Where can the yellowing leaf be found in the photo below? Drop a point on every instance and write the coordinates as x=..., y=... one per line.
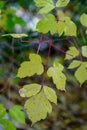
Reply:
x=50, y=94
x=81, y=73
x=67, y=26
x=38, y=107
x=83, y=19
x=29, y=68
x=71, y=53
x=29, y=90
x=74, y=64
x=16, y=35
x=57, y=75
x=62, y=3
x=84, y=51
x=47, y=24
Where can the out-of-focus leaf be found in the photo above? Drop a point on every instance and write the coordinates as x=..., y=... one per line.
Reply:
x=2, y=110
x=8, y=125
x=62, y=3
x=84, y=51
x=14, y=35
x=83, y=19
x=45, y=5
x=17, y=114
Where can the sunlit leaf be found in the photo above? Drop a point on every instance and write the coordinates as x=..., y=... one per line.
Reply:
x=50, y=94
x=84, y=51
x=45, y=5
x=38, y=107
x=71, y=53
x=46, y=24
x=29, y=68
x=7, y=124
x=14, y=35
x=58, y=76
x=74, y=64
x=83, y=19
x=62, y=3
x=2, y=110
x=17, y=114
x=30, y=90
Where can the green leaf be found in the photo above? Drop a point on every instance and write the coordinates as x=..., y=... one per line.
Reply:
x=8, y=125
x=71, y=53
x=83, y=19
x=62, y=3
x=45, y=5
x=2, y=110
x=57, y=75
x=17, y=114
x=37, y=107
x=67, y=26
x=29, y=68
x=74, y=64
x=30, y=90
x=50, y=94
x=46, y=24
x=84, y=51
x=14, y=35
x=81, y=73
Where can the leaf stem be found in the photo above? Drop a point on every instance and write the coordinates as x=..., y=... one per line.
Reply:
x=47, y=61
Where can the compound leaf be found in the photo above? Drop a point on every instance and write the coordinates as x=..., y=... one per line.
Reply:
x=50, y=94
x=81, y=73
x=29, y=90
x=17, y=114
x=47, y=24
x=74, y=64
x=84, y=51
x=37, y=107
x=57, y=75
x=83, y=19
x=7, y=124
x=62, y=3
x=45, y=5
x=71, y=53
x=29, y=68
x=16, y=35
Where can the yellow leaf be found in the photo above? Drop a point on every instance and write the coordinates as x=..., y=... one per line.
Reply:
x=29, y=68
x=83, y=19
x=50, y=94
x=38, y=107
x=29, y=90
x=14, y=35
x=71, y=53
x=57, y=75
